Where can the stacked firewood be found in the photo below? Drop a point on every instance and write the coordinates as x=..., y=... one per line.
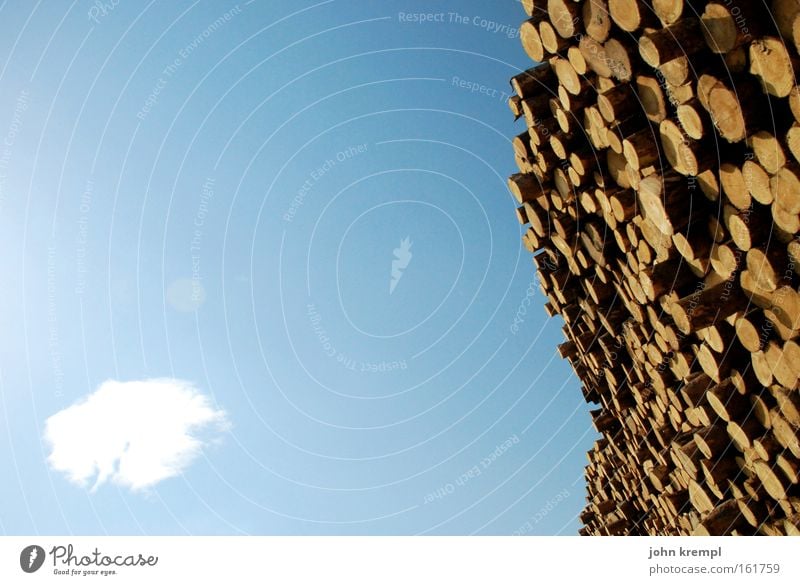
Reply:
x=659, y=183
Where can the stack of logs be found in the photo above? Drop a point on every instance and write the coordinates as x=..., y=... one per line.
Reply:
x=659, y=187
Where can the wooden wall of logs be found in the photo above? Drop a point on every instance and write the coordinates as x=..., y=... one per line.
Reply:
x=659, y=183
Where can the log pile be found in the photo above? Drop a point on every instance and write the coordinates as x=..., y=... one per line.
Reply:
x=659, y=190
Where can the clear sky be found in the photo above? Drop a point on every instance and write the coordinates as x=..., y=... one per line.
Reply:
x=261, y=275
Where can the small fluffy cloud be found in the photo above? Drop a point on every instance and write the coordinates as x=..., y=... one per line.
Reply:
x=133, y=434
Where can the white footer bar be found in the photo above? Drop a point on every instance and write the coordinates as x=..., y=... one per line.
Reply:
x=400, y=560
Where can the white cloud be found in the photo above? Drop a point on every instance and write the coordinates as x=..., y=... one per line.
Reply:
x=133, y=434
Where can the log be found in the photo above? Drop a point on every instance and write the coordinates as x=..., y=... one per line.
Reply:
x=726, y=401
x=672, y=275
x=533, y=80
x=661, y=198
x=750, y=330
x=719, y=337
x=767, y=448
x=702, y=501
x=722, y=520
x=525, y=188
x=712, y=441
x=788, y=402
x=692, y=119
x=743, y=434
x=618, y=103
x=785, y=220
x=787, y=435
x=685, y=155
x=654, y=237
x=719, y=474
x=774, y=484
x=705, y=83
x=719, y=366
x=694, y=390
x=707, y=306
x=791, y=352
x=596, y=19
x=684, y=38
x=752, y=511
x=565, y=17
x=561, y=143
x=768, y=151
x=796, y=34
x=624, y=205
x=757, y=181
x=523, y=164
x=552, y=42
x=675, y=502
x=709, y=184
x=522, y=216
x=716, y=230
x=687, y=458
x=531, y=40
x=616, y=133
x=749, y=227
x=733, y=121
x=768, y=266
x=616, y=163
x=784, y=308
x=622, y=58
x=651, y=98
x=529, y=6
x=670, y=11
x=568, y=78
x=772, y=63
x=789, y=467
x=734, y=185
x=679, y=93
x=521, y=145
x=594, y=55
x=631, y=15
x=540, y=130
x=583, y=162
x=722, y=24
x=538, y=218
x=640, y=149
x=676, y=72
x=785, y=188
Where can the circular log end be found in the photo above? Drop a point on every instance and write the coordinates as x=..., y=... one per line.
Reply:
x=770, y=62
x=727, y=114
x=748, y=334
x=563, y=15
x=626, y=14
x=531, y=41
x=682, y=319
x=691, y=121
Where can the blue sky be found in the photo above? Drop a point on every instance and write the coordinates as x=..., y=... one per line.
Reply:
x=215, y=195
